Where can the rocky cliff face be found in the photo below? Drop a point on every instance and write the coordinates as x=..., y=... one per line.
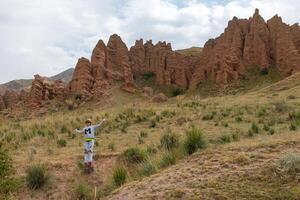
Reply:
x=2, y=104
x=10, y=98
x=169, y=67
x=245, y=44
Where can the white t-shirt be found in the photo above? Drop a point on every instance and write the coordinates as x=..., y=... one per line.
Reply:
x=89, y=131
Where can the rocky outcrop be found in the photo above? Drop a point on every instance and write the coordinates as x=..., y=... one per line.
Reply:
x=59, y=90
x=147, y=91
x=10, y=98
x=43, y=90
x=245, y=44
x=169, y=67
x=83, y=80
x=160, y=98
x=2, y=104
x=285, y=49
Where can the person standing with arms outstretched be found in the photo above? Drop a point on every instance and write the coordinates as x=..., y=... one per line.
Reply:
x=89, y=140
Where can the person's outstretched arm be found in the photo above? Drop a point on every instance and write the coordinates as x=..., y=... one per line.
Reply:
x=98, y=125
x=78, y=131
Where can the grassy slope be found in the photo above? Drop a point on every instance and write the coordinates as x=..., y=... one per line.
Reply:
x=243, y=168
x=193, y=51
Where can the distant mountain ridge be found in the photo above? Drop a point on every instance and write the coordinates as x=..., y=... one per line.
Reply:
x=20, y=84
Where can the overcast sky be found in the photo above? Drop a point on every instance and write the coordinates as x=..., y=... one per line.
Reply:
x=48, y=36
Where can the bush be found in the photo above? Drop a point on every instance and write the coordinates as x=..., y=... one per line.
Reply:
x=281, y=106
x=176, y=91
x=290, y=163
x=5, y=164
x=61, y=143
x=111, y=146
x=169, y=158
x=209, y=116
x=147, y=168
x=225, y=138
x=119, y=176
x=152, y=124
x=36, y=177
x=83, y=192
x=143, y=134
x=169, y=141
x=264, y=71
x=149, y=75
x=194, y=141
x=291, y=97
x=253, y=130
x=238, y=119
x=293, y=126
x=134, y=155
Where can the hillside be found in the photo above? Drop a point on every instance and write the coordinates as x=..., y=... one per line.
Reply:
x=193, y=51
x=247, y=136
x=20, y=84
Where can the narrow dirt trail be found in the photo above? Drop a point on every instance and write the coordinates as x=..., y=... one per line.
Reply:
x=196, y=177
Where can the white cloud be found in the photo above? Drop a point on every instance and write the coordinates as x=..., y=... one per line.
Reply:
x=46, y=37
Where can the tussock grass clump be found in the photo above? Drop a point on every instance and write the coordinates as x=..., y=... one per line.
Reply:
x=194, y=140
x=36, y=177
x=7, y=184
x=61, y=143
x=5, y=164
x=280, y=106
x=239, y=119
x=133, y=155
x=111, y=146
x=119, y=176
x=254, y=129
x=167, y=159
x=169, y=141
x=209, y=116
x=147, y=168
x=82, y=191
x=290, y=163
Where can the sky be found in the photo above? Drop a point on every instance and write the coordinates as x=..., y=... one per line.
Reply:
x=47, y=37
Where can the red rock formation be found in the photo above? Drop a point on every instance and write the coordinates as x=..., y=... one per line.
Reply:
x=284, y=46
x=160, y=98
x=118, y=67
x=24, y=95
x=37, y=92
x=10, y=98
x=99, y=63
x=248, y=44
x=147, y=91
x=59, y=90
x=83, y=79
x=2, y=104
x=168, y=66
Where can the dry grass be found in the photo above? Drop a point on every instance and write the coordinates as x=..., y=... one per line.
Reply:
x=231, y=163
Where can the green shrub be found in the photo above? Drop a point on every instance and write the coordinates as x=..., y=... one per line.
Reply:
x=143, y=134
x=209, y=116
x=149, y=75
x=293, y=126
x=83, y=192
x=61, y=143
x=133, y=155
x=36, y=177
x=194, y=141
x=253, y=130
x=176, y=91
x=238, y=119
x=168, y=158
x=290, y=163
x=152, y=124
x=281, y=106
x=261, y=112
x=151, y=150
x=225, y=138
x=111, y=146
x=147, y=168
x=271, y=131
x=5, y=164
x=169, y=141
x=119, y=176
x=291, y=97
x=63, y=129
x=141, y=140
